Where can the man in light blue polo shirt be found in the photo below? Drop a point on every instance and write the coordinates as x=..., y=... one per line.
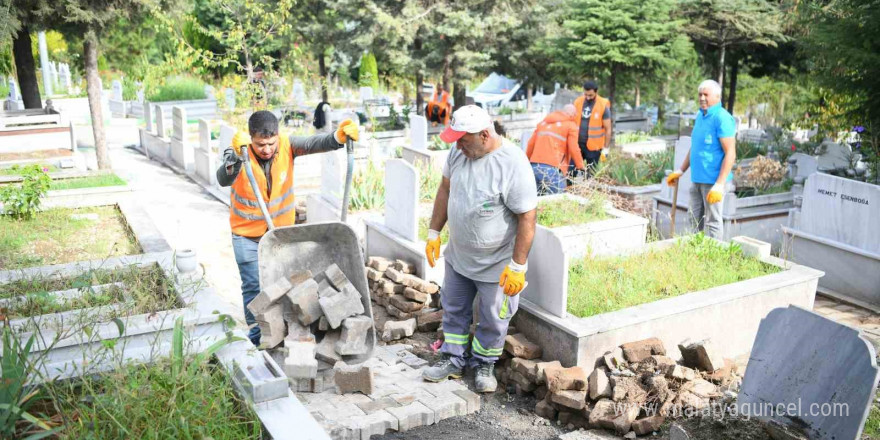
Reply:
x=711, y=159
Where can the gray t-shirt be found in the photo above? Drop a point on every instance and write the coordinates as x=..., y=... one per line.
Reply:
x=485, y=196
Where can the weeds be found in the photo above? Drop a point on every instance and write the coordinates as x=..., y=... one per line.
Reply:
x=601, y=285
x=559, y=212
x=429, y=181
x=648, y=169
x=179, y=88
x=437, y=144
x=22, y=200
x=630, y=137
x=368, y=188
x=87, y=182
x=425, y=224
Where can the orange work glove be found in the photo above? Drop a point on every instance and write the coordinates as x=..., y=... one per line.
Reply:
x=347, y=130
x=715, y=194
x=432, y=249
x=603, y=157
x=513, y=279
x=673, y=177
x=240, y=141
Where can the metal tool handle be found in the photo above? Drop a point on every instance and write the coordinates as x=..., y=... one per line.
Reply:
x=349, y=150
x=674, y=207
x=257, y=191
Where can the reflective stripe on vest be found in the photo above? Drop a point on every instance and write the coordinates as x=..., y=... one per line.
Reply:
x=551, y=134
x=245, y=216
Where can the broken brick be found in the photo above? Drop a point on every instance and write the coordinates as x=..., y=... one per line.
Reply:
x=600, y=386
x=648, y=425
x=560, y=379
x=640, y=350
x=379, y=263
x=336, y=277
x=701, y=355
x=269, y=295
x=352, y=379
x=341, y=305
x=541, y=366
x=569, y=398
x=416, y=295
x=374, y=275
x=395, y=330
x=405, y=305
x=519, y=346
x=397, y=313
x=353, y=340
x=428, y=322
x=394, y=275
x=404, y=267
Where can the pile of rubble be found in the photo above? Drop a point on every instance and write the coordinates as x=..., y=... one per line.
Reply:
x=412, y=301
x=313, y=323
x=634, y=390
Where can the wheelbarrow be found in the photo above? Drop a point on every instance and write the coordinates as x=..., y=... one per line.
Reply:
x=314, y=247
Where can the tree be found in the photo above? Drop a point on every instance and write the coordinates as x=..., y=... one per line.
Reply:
x=21, y=17
x=723, y=25
x=616, y=38
x=368, y=73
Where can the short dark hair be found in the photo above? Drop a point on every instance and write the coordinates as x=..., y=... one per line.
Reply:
x=263, y=123
x=591, y=85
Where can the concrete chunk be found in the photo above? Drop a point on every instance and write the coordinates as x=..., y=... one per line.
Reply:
x=416, y=295
x=341, y=305
x=680, y=372
x=300, y=362
x=429, y=322
x=600, y=386
x=323, y=324
x=304, y=301
x=701, y=355
x=352, y=379
x=272, y=327
x=395, y=330
x=269, y=296
x=540, y=367
x=404, y=267
x=559, y=379
x=638, y=351
x=519, y=346
x=569, y=398
x=648, y=425
x=326, y=350
x=614, y=359
x=603, y=414
x=353, y=340
x=336, y=277
x=379, y=263
x=406, y=305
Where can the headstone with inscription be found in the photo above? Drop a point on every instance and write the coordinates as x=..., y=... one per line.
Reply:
x=842, y=210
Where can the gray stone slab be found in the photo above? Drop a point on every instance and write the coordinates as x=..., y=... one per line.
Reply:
x=402, y=198
x=825, y=374
x=842, y=210
x=548, y=274
x=418, y=132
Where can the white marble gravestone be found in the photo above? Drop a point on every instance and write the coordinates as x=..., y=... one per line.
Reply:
x=116, y=88
x=843, y=210
x=401, y=198
x=418, y=132
x=366, y=93
x=229, y=94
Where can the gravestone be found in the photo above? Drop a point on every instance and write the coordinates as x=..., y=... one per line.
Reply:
x=682, y=148
x=13, y=90
x=209, y=91
x=64, y=73
x=160, y=121
x=229, y=95
x=366, y=93
x=418, y=132
x=53, y=73
x=842, y=210
x=140, y=95
x=333, y=167
x=204, y=135
x=148, y=117
x=836, y=155
x=205, y=161
x=299, y=91
x=524, y=139
x=178, y=123
x=806, y=165
x=563, y=97
x=181, y=151
x=401, y=198
x=808, y=370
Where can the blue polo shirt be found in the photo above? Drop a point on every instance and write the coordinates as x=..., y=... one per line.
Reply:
x=706, y=151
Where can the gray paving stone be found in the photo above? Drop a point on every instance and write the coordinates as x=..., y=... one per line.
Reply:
x=376, y=423
x=411, y=396
x=412, y=416
x=471, y=398
x=377, y=405
x=445, y=406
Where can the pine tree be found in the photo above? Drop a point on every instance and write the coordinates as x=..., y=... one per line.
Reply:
x=368, y=73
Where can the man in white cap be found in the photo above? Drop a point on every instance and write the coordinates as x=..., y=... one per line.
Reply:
x=489, y=198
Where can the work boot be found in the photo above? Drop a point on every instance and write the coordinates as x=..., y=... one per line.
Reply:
x=441, y=371
x=484, y=378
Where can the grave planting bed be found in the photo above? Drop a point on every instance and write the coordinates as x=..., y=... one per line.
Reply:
x=617, y=306
x=634, y=179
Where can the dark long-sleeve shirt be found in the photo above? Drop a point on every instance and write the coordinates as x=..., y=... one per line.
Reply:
x=301, y=145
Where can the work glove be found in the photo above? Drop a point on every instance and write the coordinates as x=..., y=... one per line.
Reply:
x=602, y=158
x=513, y=279
x=347, y=130
x=715, y=194
x=432, y=249
x=673, y=177
x=240, y=141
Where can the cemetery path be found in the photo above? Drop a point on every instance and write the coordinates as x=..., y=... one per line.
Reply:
x=187, y=216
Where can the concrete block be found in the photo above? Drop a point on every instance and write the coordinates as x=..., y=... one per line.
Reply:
x=326, y=349
x=471, y=398
x=404, y=267
x=614, y=359
x=416, y=295
x=525, y=367
x=701, y=355
x=600, y=386
x=389, y=287
x=412, y=416
x=304, y=300
x=378, y=405
x=394, y=275
x=540, y=377
x=376, y=423
x=353, y=340
x=272, y=327
x=379, y=263
x=399, y=314
x=351, y=379
x=325, y=289
x=429, y=322
x=341, y=305
x=648, y=425
x=752, y=247
x=822, y=361
x=445, y=406
x=300, y=362
x=569, y=398
x=373, y=274
x=560, y=379
x=406, y=305
x=545, y=410
x=269, y=295
x=336, y=277
x=518, y=346
x=395, y=330
x=638, y=351
x=259, y=377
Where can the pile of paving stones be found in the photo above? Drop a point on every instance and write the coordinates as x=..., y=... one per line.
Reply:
x=313, y=325
x=412, y=302
x=634, y=390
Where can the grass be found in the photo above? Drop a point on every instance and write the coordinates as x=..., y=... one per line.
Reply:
x=601, y=285
x=872, y=425
x=430, y=179
x=636, y=171
x=153, y=402
x=179, y=88
x=781, y=187
x=87, y=182
x=630, y=137
x=14, y=172
x=147, y=287
x=368, y=188
x=53, y=237
x=424, y=224
x=564, y=212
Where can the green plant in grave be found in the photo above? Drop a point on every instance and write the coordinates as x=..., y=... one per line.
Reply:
x=630, y=137
x=16, y=397
x=429, y=182
x=368, y=188
x=438, y=145
x=22, y=200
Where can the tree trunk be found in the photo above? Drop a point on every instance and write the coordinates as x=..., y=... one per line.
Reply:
x=612, y=89
x=528, y=98
x=447, y=73
x=322, y=70
x=248, y=64
x=664, y=95
x=459, y=94
x=27, y=70
x=93, y=85
x=721, y=51
x=731, y=91
x=638, y=93
x=420, y=77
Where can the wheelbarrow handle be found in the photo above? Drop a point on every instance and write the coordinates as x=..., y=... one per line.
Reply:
x=257, y=191
x=349, y=150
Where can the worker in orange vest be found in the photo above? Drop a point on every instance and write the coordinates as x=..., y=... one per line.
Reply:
x=552, y=147
x=594, y=126
x=439, y=108
x=271, y=158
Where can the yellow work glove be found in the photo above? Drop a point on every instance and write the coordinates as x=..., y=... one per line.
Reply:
x=715, y=194
x=673, y=177
x=347, y=129
x=602, y=158
x=513, y=279
x=240, y=140
x=432, y=249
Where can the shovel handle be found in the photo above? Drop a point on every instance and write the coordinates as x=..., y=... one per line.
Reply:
x=256, y=189
x=674, y=208
x=349, y=150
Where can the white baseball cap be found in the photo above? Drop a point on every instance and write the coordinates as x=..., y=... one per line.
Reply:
x=467, y=119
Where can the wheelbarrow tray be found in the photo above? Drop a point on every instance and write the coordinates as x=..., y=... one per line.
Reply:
x=314, y=247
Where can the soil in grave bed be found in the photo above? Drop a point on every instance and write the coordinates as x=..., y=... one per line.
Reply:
x=148, y=401
x=63, y=235
x=601, y=285
x=560, y=212
x=40, y=154
x=148, y=288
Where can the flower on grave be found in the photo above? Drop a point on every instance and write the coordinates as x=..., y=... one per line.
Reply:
x=793, y=148
x=859, y=129
x=45, y=169
x=857, y=146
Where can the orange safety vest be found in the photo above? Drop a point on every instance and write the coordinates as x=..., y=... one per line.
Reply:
x=596, y=131
x=245, y=216
x=554, y=142
x=444, y=98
